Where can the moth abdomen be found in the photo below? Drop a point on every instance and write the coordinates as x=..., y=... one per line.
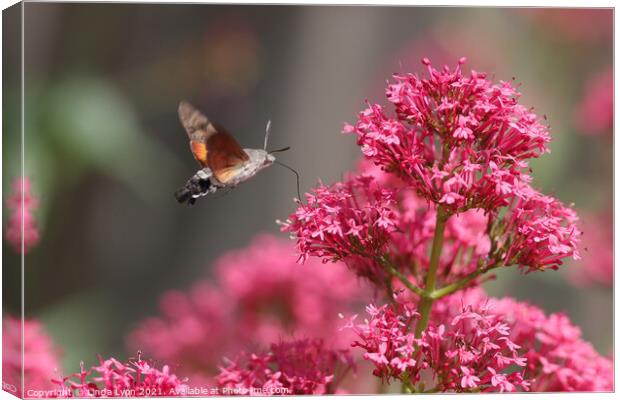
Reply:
x=182, y=194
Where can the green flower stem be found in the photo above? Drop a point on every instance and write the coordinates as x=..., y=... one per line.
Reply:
x=453, y=287
x=426, y=303
x=394, y=272
x=406, y=386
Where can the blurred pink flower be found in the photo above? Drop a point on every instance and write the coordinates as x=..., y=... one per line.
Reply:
x=191, y=333
x=597, y=264
x=462, y=142
x=40, y=356
x=276, y=296
x=595, y=113
x=581, y=25
x=112, y=378
x=296, y=368
x=22, y=203
x=260, y=294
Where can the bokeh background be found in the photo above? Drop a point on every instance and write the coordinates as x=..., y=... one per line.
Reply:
x=105, y=150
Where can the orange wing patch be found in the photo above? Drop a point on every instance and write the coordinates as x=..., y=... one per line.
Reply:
x=211, y=146
x=225, y=175
x=199, y=150
x=225, y=156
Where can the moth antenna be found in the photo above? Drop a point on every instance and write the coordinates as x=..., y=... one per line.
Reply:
x=280, y=150
x=296, y=175
x=267, y=132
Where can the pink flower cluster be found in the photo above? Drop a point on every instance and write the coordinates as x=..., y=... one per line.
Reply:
x=459, y=141
x=470, y=350
x=595, y=114
x=442, y=198
x=369, y=216
x=482, y=344
x=558, y=358
x=21, y=223
x=294, y=368
x=541, y=231
x=40, y=356
x=536, y=233
x=112, y=378
x=349, y=221
x=259, y=295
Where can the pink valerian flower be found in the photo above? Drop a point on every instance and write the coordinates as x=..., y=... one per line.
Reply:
x=382, y=220
x=597, y=264
x=349, y=221
x=535, y=233
x=362, y=227
x=540, y=231
x=466, y=240
x=40, y=356
x=295, y=368
x=540, y=352
x=558, y=359
x=470, y=351
x=387, y=342
x=258, y=295
x=22, y=224
x=113, y=378
x=595, y=113
x=459, y=141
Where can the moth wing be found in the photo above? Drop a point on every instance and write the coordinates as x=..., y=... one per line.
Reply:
x=199, y=129
x=225, y=157
x=226, y=175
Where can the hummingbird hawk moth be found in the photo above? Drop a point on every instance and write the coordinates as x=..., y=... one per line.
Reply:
x=224, y=164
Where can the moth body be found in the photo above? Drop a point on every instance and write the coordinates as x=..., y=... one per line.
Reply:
x=258, y=160
x=224, y=164
x=199, y=185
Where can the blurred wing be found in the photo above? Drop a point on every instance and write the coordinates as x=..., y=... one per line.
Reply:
x=225, y=175
x=224, y=155
x=198, y=129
